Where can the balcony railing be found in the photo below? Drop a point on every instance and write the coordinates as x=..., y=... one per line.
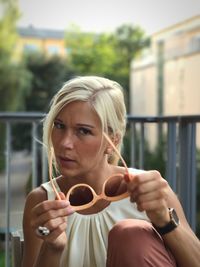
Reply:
x=180, y=160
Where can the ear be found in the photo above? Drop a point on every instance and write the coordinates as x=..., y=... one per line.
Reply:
x=115, y=140
x=108, y=150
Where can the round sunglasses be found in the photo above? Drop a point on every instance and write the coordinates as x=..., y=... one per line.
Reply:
x=82, y=196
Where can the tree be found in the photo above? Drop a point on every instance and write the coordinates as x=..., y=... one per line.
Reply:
x=14, y=86
x=48, y=75
x=103, y=54
x=14, y=79
x=129, y=40
x=8, y=34
x=90, y=53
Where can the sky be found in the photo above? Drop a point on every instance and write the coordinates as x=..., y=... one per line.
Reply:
x=106, y=15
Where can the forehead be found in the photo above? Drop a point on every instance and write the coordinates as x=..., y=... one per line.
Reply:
x=79, y=112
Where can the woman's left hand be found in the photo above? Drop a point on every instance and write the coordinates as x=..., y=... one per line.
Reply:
x=150, y=192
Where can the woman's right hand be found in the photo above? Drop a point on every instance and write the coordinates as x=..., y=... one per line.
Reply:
x=53, y=215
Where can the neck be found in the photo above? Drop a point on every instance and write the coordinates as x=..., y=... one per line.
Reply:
x=96, y=177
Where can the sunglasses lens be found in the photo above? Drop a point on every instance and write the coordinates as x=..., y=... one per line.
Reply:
x=115, y=186
x=80, y=195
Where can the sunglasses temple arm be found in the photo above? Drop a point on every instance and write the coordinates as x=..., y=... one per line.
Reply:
x=119, y=155
x=50, y=177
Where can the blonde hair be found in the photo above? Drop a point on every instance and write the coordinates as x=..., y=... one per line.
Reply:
x=107, y=99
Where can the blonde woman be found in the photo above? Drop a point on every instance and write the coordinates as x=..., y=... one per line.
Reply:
x=96, y=213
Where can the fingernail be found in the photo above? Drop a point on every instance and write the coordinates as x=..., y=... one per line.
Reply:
x=126, y=177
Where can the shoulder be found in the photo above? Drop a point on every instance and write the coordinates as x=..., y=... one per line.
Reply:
x=36, y=196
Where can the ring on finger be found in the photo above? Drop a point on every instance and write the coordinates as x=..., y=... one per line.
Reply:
x=42, y=231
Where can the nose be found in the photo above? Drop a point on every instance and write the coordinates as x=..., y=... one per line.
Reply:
x=67, y=141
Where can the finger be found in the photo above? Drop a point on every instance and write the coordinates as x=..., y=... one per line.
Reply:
x=49, y=205
x=50, y=215
x=151, y=186
x=150, y=196
x=137, y=188
x=137, y=179
x=156, y=204
x=61, y=228
x=145, y=180
x=54, y=223
x=149, y=191
x=54, y=233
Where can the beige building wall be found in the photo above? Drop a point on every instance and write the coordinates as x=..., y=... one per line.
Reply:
x=182, y=86
x=143, y=94
x=181, y=74
x=143, y=97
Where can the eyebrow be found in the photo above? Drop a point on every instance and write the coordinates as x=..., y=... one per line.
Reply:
x=85, y=124
x=78, y=124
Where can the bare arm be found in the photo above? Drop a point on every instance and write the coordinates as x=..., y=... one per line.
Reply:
x=183, y=243
x=153, y=195
x=44, y=251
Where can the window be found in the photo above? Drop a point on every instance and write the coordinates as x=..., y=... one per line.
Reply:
x=30, y=47
x=53, y=49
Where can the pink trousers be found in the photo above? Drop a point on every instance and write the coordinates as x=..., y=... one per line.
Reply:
x=135, y=243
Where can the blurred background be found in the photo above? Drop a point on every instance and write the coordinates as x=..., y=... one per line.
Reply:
x=152, y=48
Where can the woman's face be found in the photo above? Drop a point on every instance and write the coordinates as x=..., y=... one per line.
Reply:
x=77, y=138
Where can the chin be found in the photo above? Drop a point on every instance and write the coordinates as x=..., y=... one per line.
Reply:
x=68, y=172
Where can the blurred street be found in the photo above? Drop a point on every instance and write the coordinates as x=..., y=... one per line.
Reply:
x=20, y=171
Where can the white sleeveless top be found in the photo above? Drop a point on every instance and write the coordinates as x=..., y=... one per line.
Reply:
x=88, y=234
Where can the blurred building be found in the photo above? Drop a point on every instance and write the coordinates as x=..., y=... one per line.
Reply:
x=48, y=41
x=166, y=80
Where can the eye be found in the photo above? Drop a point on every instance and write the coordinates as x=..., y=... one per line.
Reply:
x=84, y=131
x=58, y=125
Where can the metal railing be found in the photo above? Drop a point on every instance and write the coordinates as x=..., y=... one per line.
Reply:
x=181, y=167
x=8, y=119
x=181, y=150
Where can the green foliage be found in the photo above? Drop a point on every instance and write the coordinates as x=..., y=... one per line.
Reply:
x=128, y=41
x=103, y=54
x=48, y=75
x=14, y=78
x=14, y=86
x=95, y=54
x=153, y=159
x=2, y=258
x=8, y=34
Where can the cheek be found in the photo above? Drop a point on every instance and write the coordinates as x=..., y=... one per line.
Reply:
x=90, y=149
x=55, y=140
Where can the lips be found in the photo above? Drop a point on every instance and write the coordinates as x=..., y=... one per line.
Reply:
x=66, y=158
x=66, y=161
